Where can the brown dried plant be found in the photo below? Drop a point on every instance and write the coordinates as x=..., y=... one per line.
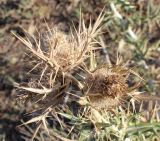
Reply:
x=60, y=56
x=107, y=88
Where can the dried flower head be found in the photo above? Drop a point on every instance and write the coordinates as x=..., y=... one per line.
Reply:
x=107, y=87
x=61, y=51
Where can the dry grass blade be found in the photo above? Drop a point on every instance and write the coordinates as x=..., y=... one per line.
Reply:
x=38, y=91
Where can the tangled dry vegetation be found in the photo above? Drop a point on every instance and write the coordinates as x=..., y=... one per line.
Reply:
x=76, y=86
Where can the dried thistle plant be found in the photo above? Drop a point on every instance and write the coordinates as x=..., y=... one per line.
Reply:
x=106, y=88
x=62, y=51
x=60, y=56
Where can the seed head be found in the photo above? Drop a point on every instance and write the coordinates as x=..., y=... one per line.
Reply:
x=107, y=87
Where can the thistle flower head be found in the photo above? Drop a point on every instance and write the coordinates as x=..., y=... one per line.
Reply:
x=107, y=87
x=63, y=50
